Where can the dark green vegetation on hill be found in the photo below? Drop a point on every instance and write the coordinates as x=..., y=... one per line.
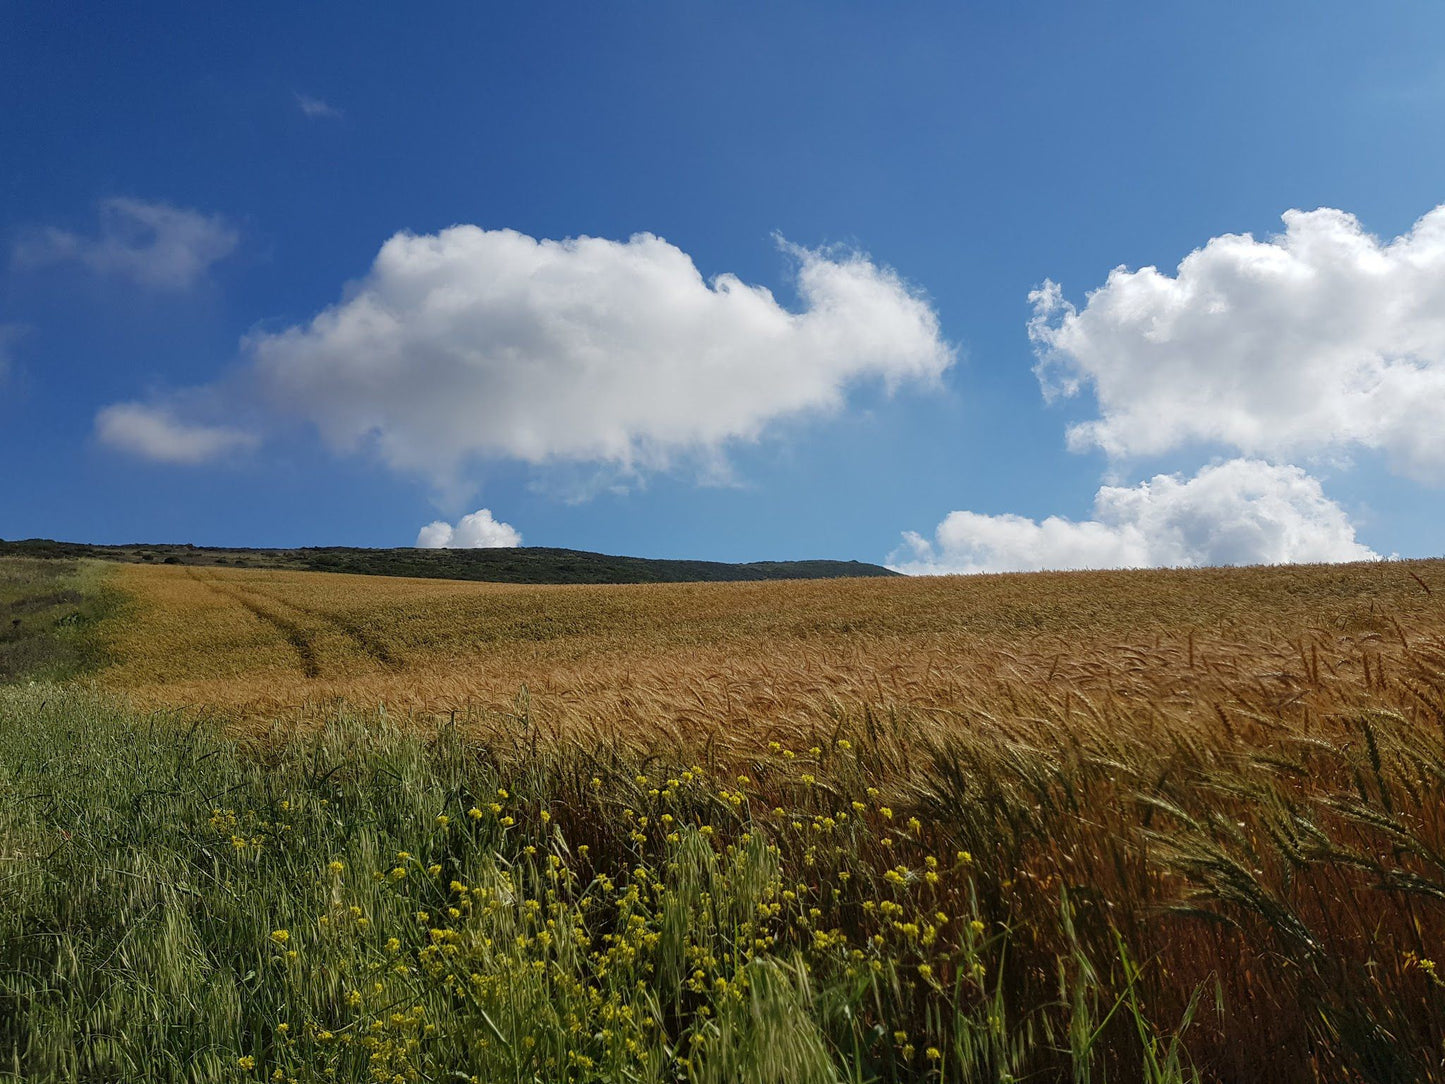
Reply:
x=49, y=611
x=527, y=564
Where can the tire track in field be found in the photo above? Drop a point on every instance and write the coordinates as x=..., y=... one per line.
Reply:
x=369, y=643
x=299, y=638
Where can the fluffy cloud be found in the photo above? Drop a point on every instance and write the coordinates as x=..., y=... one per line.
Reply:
x=316, y=108
x=1321, y=339
x=1241, y=512
x=476, y=531
x=152, y=432
x=153, y=244
x=475, y=342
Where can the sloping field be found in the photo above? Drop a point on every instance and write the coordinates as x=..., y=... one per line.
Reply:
x=703, y=659
x=1164, y=826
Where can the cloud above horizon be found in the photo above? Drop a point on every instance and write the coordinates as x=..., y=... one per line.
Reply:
x=1239, y=512
x=154, y=433
x=316, y=108
x=1318, y=341
x=153, y=244
x=473, y=343
x=480, y=530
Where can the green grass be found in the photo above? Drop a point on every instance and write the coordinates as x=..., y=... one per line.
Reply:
x=355, y=904
x=1060, y=890
x=49, y=611
x=360, y=903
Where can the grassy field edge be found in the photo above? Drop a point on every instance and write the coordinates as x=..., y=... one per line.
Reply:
x=354, y=902
x=52, y=617
x=1212, y=858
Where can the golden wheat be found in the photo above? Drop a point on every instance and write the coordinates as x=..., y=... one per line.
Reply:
x=746, y=659
x=1236, y=773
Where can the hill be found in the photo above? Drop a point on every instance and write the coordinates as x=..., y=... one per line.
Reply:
x=1083, y=818
x=528, y=564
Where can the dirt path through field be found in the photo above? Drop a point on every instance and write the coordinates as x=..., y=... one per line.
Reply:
x=298, y=637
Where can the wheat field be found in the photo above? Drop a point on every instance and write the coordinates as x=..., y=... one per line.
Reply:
x=1169, y=826
x=692, y=661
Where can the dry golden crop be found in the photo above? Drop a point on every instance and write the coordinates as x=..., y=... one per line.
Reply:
x=1163, y=787
x=743, y=659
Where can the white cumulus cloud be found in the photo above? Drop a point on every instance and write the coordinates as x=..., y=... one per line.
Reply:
x=316, y=108
x=153, y=432
x=1240, y=512
x=491, y=343
x=476, y=531
x=1318, y=340
x=154, y=244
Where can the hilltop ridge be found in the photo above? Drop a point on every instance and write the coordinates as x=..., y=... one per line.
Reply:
x=522, y=564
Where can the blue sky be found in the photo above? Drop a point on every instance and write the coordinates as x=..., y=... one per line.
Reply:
x=192, y=201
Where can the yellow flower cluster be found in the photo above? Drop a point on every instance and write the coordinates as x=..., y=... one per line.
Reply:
x=514, y=936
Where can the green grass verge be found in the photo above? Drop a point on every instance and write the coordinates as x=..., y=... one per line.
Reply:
x=49, y=615
x=360, y=905
x=1072, y=901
